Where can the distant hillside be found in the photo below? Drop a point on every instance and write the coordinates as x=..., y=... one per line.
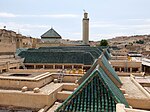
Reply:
x=131, y=39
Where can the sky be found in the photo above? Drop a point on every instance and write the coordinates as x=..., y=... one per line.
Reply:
x=108, y=18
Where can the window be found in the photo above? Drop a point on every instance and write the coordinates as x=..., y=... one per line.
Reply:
x=77, y=66
x=116, y=68
x=39, y=66
x=58, y=66
x=134, y=69
x=48, y=66
x=68, y=66
x=86, y=68
x=29, y=66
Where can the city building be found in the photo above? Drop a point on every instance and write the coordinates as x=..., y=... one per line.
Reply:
x=7, y=42
x=67, y=89
x=51, y=36
x=54, y=76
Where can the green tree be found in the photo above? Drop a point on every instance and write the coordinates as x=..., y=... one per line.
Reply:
x=103, y=42
x=140, y=42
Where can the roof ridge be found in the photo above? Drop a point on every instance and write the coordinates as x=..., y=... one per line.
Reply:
x=50, y=33
x=75, y=92
x=103, y=63
x=117, y=98
x=109, y=84
x=107, y=67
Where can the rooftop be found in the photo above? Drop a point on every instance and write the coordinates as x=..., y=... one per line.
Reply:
x=79, y=54
x=131, y=89
x=96, y=93
x=51, y=34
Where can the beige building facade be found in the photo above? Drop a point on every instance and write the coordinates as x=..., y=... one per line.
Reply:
x=7, y=42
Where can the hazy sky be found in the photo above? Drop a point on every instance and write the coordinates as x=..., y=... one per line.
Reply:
x=108, y=18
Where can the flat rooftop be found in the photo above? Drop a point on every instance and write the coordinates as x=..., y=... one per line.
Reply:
x=20, y=74
x=27, y=74
x=47, y=89
x=11, y=60
x=144, y=81
x=51, y=87
x=131, y=89
x=144, y=61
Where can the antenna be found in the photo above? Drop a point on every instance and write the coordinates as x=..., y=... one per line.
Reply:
x=84, y=10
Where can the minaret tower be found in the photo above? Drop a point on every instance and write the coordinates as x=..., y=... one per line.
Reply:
x=85, y=22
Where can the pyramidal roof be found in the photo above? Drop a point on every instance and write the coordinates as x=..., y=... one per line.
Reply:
x=105, y=65
x=51, y=34
x=96, y=94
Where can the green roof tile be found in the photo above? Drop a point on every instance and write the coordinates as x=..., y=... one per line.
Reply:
x=93, y=50
x=51, y=34
x=94, y=65
x=57, y=57
x=107, y=54
x=110, y=68
x=96, y=94
x=113, y=88
x=79, y=54
x=104, y=64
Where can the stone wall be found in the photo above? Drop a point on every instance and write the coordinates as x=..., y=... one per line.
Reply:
x=10, y=40
x=7, y=42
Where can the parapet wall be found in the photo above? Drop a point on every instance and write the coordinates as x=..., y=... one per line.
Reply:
x=11, y=82
x=121, y=108
x=24, y=99
x=19, y=83
x=29, y=99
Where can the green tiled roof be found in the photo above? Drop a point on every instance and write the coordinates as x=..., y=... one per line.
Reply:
x=86, y=75
x=96, y=94
x=107, y=54
x=110, y=68
x=116, y=92
x=79, y=54
x=20, y=50
x=107, y=67
x=93, y=50
x=57, y=57
x=51, y=34
x=106, y=51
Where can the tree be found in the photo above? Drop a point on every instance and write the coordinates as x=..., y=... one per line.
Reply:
x=140, y=42
x=103, y=42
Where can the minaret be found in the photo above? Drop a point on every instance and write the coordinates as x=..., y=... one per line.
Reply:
x=85, y=22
